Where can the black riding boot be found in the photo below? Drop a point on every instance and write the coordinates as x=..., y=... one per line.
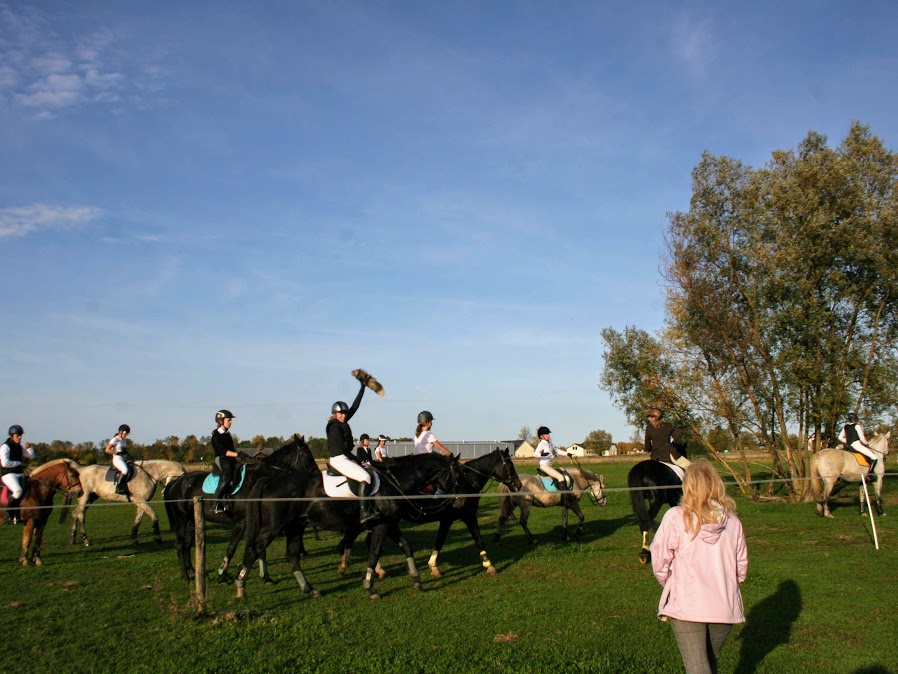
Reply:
x=12, y=511
x=367, y=510
x=871, y=476
x=221, y=497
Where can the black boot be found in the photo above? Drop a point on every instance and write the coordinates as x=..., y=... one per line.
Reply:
x=12, y=511
x=871, y=476
x=367, y=512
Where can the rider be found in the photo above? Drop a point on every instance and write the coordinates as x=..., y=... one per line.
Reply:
x=380, y=452
x=363, y=451
x=225, y=458
x=546, y=452
x=853, y=435
x=118, y=448
x=425, y=440
x=339, y=446
x=12, y=453
x=663, y=440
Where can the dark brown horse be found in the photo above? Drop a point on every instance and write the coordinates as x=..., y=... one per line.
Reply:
x=37, y=502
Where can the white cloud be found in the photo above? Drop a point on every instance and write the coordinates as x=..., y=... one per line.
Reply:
x=693, y=44
x=20, y=221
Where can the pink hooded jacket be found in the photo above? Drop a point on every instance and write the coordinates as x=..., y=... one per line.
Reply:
x=700, y=576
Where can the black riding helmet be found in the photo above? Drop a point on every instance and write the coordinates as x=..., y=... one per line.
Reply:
x=15, y=429
x=124, y=427
x=221, y=415
x=339, y=406
x=543, y=430
x=852, y=416
x=424, y=416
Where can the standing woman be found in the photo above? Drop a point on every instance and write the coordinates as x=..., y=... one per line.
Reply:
x=662, y=440
x=425, y=440
x=339, y=446
x=546, y=452
x=225, y=458
x=118, y=448
x=700, y=557
x=12, y=453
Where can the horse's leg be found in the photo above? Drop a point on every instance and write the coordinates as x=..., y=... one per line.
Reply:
x=77, y=516
x=525, y=514
x=36, y=542
x=294, y=535
x=470, y=520
x=27, y=535
x=140, y=507
x=399, y=538
x=349, y=537
x=378, y=533
x=442, y=532
x=575, y=506
x=564, y=513
x=828, y=484
x=877, y=500
x=645, y=554
x=255, y=549
x=233, y=542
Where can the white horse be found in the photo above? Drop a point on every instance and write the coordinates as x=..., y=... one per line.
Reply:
x=828, y=466
x=142, y=487
x=534, y=493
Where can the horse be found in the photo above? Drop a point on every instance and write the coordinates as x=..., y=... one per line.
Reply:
x=142, y=487
x=828, y=466
x=37, y=501
x=286, y=503
x=473, y=476
x=179, y=493
x=657, y=483
x=534, y=493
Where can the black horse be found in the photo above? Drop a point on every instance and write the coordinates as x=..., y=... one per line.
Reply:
x=287, y=502
x=655, y=482
x=473, y=477
x=179, y=493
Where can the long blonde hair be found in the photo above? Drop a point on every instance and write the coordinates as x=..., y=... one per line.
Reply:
x=705, y=498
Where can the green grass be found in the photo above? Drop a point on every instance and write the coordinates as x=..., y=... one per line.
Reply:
x=819, y=598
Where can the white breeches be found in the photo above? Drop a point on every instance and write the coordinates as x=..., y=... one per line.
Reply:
x=350, y=468
x=120, y=464
x=858, y=446
x=13, y=482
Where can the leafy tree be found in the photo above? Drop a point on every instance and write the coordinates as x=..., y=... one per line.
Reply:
x=782, y=303
x=526, y=434
x=597, y=441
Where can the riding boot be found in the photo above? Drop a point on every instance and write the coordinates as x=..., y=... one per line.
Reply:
x=871, y=475
x=367, y=512
x=12, y=511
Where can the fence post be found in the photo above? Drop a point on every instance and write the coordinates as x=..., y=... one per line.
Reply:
x=199, y=564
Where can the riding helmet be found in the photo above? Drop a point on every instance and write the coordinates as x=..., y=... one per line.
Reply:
x=124, y=427
x=220, y=415
x=364, y=437
x=381, y=438
x=424, y=417
x=543, y=430
x=852, y=416
x=15, y=429
x=339, y=406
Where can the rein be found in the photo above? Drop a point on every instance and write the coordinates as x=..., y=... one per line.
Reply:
x=391, y=479
x=592, y=496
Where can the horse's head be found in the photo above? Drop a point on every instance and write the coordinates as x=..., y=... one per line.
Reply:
x=295, y=455
x=505, y=471
x=881, y=443
x=593, y=485
x=68, y=480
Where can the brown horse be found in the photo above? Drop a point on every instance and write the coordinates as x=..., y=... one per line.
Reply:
x=37, y=501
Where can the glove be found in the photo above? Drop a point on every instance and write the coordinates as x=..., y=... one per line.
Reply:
x=369, y=381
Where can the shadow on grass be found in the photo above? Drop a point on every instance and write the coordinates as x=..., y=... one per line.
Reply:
x=768, y=625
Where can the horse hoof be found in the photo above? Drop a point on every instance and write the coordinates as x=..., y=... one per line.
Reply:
x=342, y=570
x=374, y=595
x=38, y=561
x=435, y=572
x=268, y=581
x=224, y=579
x=492, y=571
x=315, y=594
x=381, y=574
x=645, y=557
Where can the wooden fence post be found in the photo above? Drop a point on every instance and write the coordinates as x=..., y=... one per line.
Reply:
x=199, y=564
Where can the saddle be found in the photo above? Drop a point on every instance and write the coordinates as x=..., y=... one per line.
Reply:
x=861, y=459
x=338, y=485
x=5, y=493
x=210, y=484
x=553, y=485
x=112, y=475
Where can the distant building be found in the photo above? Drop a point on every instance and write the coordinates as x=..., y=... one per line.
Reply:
x=611, y=451
x=576, y=450
x=524, y=451
x=467, y=449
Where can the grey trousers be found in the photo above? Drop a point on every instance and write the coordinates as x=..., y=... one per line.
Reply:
x=700, y=644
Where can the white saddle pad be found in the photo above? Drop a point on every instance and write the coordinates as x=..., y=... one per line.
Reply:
x=337, y=486
x=675, y=468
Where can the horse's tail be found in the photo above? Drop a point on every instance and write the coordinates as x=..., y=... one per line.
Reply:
x=816, y=491
x=64, y=510
x=506, y=503
x=637, y=498
x=173, y=509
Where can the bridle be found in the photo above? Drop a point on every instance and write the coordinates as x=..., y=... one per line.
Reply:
x=70, y=482
x=596, y=500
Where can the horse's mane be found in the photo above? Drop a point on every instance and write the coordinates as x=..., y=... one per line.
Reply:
x=50, y=464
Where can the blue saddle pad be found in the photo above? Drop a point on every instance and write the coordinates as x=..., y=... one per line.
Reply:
x=210, y=484
x=549, y=484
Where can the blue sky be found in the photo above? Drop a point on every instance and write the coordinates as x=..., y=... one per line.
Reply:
x=207, y=205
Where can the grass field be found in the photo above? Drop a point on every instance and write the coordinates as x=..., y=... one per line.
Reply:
x=819, y=598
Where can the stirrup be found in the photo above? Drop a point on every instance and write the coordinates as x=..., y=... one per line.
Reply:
x=870, y=477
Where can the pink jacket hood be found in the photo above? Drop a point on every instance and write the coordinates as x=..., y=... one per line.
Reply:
x=700, y=575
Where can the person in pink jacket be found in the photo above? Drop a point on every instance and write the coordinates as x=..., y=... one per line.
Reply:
x=700, y=557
